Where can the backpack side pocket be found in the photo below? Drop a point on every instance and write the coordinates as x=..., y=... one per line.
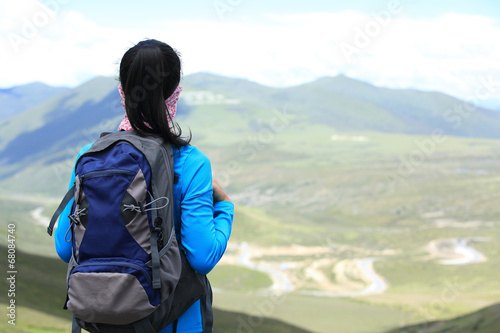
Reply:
x=112, y=291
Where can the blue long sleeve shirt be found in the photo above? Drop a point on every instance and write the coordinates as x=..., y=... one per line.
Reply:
x=202, y=227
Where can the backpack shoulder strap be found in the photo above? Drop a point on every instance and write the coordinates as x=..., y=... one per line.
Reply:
x=75, y=328
x=67, y=198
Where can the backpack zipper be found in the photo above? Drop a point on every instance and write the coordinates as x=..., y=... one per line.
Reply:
x=106, y=172
x=101, y=173
x=118, y=263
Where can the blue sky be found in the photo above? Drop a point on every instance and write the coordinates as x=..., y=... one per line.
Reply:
x=120, y=13
x=443, y=45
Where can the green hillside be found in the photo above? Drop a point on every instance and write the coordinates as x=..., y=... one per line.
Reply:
x=486, y=320
x=77, y=111
x=17, y=99
x=331, y=105
x=327, y=177
x=350, y=105
x=235, y=108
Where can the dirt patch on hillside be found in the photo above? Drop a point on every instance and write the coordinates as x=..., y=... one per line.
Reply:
x=306, y=269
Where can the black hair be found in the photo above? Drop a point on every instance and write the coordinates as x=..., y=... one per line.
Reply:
x=149, y=73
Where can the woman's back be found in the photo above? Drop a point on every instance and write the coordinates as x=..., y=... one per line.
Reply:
x=203, y=213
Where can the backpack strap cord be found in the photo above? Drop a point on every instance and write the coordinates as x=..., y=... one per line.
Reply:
x=67, y=232
x=153, y=204
x=131, y=207
x=142, y=208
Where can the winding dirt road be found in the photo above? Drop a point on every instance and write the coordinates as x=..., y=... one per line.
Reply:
x=348, y=277
x=355, y=277
x=374, y=283
x=456, y=251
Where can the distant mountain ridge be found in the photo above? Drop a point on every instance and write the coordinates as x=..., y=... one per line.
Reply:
x=20, y=98
x=57, y=120
x=347, y=104
x=73, y=117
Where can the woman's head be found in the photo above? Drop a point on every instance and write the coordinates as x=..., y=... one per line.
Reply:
x=149, y=73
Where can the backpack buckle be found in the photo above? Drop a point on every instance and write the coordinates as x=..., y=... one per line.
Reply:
x=157, y=224
x=157, y=228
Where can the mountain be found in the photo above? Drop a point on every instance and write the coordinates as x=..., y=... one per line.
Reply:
x=75, y=116
x=417, y=112
x=486, y=320
x=16, y=99
x=346, y=104
x=54, y=130
x=57, y=121
x=336, y=163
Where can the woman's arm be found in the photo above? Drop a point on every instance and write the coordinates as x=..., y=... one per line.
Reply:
x=219, y=193
x=205, y=225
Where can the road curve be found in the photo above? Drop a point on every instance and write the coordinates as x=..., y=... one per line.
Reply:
x=377, y=286
x=469, y=255
x=282, y=284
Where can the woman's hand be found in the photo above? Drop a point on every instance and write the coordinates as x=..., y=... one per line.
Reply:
x=219, y=194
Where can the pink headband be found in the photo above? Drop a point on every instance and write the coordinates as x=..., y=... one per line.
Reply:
x=170, y=102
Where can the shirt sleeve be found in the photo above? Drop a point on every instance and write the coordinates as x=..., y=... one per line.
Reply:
x=205, y=227
x=61, y=235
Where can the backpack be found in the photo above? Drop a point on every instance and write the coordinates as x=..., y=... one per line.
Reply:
x=127, y=272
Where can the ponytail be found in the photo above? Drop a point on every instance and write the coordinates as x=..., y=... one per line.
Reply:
x=149, y=73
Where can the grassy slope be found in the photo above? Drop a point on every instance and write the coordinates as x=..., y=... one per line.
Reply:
x=349, y=202
x=68, y=101
x=486, y=320
x=296, y=185
x=318, y=314
x=232, y=277
x=351, y=175
x=17, y=99
x=327, y=102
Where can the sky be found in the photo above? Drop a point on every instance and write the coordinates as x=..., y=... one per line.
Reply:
x=447, y=46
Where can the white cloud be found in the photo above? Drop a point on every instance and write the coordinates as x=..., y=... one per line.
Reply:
x=448, y=53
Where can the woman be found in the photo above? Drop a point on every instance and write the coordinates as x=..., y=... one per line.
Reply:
x=150, y=73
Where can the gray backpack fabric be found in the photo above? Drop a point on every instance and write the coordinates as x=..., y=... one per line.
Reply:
x=127, y=272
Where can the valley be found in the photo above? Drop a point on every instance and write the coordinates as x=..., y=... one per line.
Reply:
x=345, y=215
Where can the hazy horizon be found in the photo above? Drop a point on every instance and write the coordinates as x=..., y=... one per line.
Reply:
x=446, y=47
